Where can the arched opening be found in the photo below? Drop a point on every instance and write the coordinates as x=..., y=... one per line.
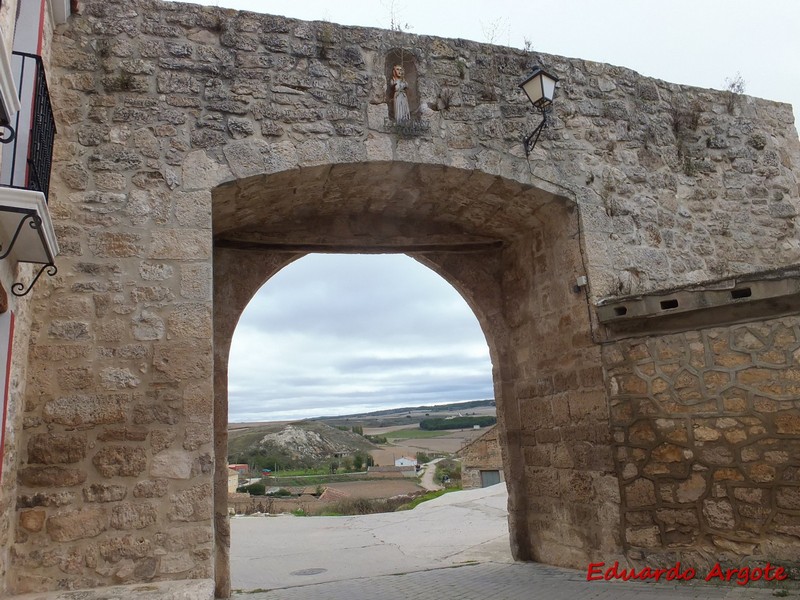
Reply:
x=354, y=334
x=513, y=253
x=335, y=334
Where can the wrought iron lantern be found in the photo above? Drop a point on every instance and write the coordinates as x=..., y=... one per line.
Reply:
x=539, y=87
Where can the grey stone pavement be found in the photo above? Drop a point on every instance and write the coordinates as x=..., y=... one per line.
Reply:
x=454, y=547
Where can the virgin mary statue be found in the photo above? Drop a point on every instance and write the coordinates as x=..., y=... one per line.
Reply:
x=401, y=110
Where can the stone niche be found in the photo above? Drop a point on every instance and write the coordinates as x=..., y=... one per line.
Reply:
x=407, y=60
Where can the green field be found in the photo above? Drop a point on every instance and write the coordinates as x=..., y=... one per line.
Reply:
x=414, y=434
x=428, y=496
x=311, y=480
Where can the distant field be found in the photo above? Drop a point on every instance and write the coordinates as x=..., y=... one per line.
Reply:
x=400, y=427
x=448, y=442
x=382, y=488
x=415, y=434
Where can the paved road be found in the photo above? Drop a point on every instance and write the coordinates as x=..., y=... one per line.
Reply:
x=452, y=548
x=283, y=551
x=429, y=471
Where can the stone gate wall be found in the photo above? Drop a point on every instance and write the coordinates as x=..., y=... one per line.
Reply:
x=12, y=272
x=640, y=184
x=707, y=432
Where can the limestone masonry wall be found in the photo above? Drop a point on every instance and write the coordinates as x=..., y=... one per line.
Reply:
x=706, y=429
x=676, y=184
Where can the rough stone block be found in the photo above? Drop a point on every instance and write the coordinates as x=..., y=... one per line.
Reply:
x=69, y=330
x=82, y=410
x=193, y=504
x=691, y=489
x=115, y=244
x=122, y=434
x=133, y=516
x=100, y=492
x=115, y=549
x=32, y=520
x=51, y=477
x=196, y=281
x=77, y=524
x=114, y=378
x=203, y=173
x=788, y=498
x=180, y=244
x=719, y=514
x=644, y=537
x=120, y=461
x=182, y=361
x=172, y=464
x=52, y=499
x=788, y=423
x=193, y=209
x=56, y=448
x=640, y=493
x=151, y=488
x=190, y=321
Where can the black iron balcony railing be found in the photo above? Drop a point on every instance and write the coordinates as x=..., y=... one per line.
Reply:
x=29, y=155
x=26, y=232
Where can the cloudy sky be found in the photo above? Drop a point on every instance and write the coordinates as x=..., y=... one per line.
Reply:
x=338, y=334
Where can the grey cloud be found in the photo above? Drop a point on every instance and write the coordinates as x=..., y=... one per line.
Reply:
x=341, y=333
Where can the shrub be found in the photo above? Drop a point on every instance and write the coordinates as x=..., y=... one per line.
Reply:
x=457, y=423
x=254, y=489
x=450, y=469
x=366, y=506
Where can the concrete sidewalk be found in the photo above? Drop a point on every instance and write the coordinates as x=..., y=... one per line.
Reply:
x=454, y=529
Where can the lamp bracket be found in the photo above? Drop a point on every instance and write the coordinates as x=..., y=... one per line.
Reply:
x=34, y=223
x=19, y=290
x=7, y=138
x=530, y=140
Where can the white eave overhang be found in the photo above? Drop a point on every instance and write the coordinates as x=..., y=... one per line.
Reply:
x=8, y=90
x=26, y=231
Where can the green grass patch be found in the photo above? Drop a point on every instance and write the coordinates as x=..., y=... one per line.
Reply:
x=456, y=423
x=415, y=434
x=425, y=497
x=301, y=472
x=314, y=480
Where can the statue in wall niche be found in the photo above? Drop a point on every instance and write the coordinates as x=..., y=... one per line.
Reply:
x=401, y=111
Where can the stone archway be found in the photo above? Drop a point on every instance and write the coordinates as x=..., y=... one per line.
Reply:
x=513, y=253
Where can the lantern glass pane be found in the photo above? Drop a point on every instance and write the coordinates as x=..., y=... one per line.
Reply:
x=533, y=89
x=548, y=87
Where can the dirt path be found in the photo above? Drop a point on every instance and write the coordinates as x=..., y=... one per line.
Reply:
x=429, y=470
